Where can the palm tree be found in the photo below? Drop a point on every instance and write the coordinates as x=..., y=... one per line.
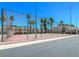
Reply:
x=0, y=17
x=11, y=19
x=10, y=33
x=72, y=25
x=28, y=21
x=7, y=28
x=31, y=22
x=20, y=30
x=51, y=21
x=45, y=25
x=62, y=25
x=63, y=30
x=48, y=23
x=42, y=26
x=4, y=19
x=0, y=20
x=28, y=16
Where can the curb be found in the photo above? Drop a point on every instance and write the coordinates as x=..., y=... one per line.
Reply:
x=2, y=47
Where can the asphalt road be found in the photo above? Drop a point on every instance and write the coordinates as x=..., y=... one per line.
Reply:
x=68, y=47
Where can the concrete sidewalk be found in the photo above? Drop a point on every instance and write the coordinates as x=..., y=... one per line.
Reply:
x=31, y=42
x=31, y=37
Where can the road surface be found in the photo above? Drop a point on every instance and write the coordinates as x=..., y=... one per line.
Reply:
x=68, y=47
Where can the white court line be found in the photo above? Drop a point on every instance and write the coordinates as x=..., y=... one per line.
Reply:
x=2, y=47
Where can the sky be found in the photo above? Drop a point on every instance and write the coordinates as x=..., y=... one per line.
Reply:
x=57, y=10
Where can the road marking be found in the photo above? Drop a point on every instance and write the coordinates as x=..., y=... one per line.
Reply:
x=2, y=47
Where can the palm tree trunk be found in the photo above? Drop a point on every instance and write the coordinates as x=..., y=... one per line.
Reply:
x=50, y=30
x=27, y=28
x=30, y=28
x=11, y=26
x=41, y=32
x=11, y=22
x=33, y=28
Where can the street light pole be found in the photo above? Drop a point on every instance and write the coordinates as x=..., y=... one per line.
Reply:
x=35, y=21
x=2, y=25
x=70, y=19
x=76, y=27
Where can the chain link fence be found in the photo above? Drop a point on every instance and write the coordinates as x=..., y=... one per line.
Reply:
x=19, y=26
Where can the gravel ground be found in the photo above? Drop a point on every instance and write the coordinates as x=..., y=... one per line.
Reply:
x=31, y=37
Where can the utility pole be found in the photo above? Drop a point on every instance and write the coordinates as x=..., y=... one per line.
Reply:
x=70, y=19
x=76, y=27
x=58, y=28
x=2, y=25
x=35, y=22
